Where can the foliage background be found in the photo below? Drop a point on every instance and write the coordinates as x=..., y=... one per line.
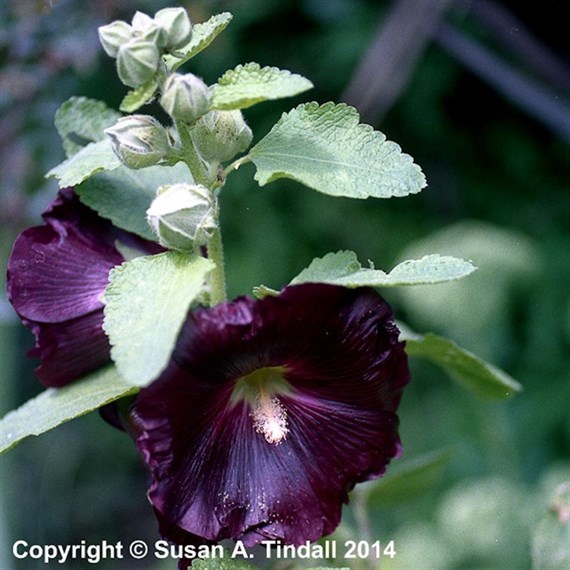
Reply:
x=498, y=194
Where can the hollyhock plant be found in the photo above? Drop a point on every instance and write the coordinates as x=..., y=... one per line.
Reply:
x=57, y=274
x=255, y=416
x=270, y=411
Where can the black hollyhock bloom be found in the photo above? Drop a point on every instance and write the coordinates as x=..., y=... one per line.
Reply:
x=57, y=274
x=269, y=413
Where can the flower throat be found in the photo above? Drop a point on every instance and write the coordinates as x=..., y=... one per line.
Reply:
x=260, y=390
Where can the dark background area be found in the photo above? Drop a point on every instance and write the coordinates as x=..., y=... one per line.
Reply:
x=478, y=93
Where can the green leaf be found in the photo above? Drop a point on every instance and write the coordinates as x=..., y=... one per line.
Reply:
x=146, y=303
x=226, y=563
x=55, y=406
x=343, y=268
x=91, y=159
x=80, y=121
x=124, y=195
x=470, y=371
x=476, y=312
x=249, y=84
x=430, y=269
x=325, y=148
x=407, y=481
x=136, y=98
x=202, y=36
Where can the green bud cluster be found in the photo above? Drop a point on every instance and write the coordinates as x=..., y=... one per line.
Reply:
x=138, y=47
x=182, y=216
x=139, y=141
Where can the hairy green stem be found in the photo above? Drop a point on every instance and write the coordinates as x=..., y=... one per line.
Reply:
x=363, y=523
x=190, y=156
x=201, y=175
x=235, y=165
x=216, y=254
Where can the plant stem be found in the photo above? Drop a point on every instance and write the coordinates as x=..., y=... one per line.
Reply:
x=363, y=523
x=216, y=254
x=190, y=156
x=200, y=175
x=236, y=164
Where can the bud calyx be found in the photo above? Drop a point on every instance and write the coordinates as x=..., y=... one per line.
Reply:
x=137, y=62
x=220, y=135
x=185, y=97
x=182, y=216
x=114, y=35
x=176, y=25
x=139, y=141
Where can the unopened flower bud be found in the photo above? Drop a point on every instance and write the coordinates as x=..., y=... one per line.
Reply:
x=141, y=21
x=139, y=140
x=145, y=28
x=220, y=135
x=176, y=23
x=185, y=97
x=137, y=62
x=182, y=216
x=114, y=35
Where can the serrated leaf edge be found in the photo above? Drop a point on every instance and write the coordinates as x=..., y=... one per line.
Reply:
x=8, y=443
x=353, y=118
x=175, y=61
x=356, y=267
x=62, y=178
x=253, y=67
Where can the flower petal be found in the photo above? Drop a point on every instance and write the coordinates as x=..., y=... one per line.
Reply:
x=57, y=274
x=214, y=475
x=58, y=271
x=69, y=350
x=176, y=535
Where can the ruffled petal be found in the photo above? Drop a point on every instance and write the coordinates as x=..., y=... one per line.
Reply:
x=59, y=271
x=214, y=474
x=71, y=349
x=325, y=335
x=177, y=535
x=57, y=274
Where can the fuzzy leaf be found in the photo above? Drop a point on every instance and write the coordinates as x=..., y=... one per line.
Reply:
x=202, y=36
x=430, y=269
x=136, y=98
x=228, y=562
x=93, y=158
x=123, y=196
x=249, y=84
x=146, y=302
x=325, y=148
x=55, y=406
x=470, y=371
x=80, y=121
x=343, y=268
x=407, y=481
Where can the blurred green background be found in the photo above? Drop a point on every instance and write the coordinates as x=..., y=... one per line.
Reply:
x=478, y=92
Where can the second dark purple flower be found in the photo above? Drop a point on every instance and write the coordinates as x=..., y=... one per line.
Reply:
x=270, y=412
x=57, y=274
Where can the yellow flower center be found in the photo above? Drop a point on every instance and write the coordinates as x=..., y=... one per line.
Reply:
x=260, y=390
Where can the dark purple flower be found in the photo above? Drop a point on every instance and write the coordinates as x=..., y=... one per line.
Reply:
x=270, y=412
x=57, y=274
